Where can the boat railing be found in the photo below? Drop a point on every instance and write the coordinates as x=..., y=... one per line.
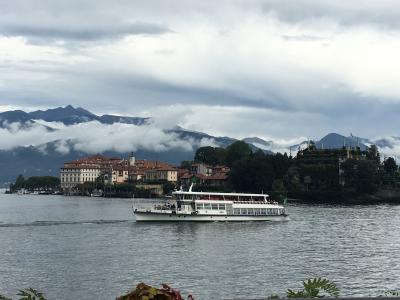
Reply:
x=236, y=201
x=149, y=204
x=256, y=202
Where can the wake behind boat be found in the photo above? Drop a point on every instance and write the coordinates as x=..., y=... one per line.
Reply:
x=209, y=206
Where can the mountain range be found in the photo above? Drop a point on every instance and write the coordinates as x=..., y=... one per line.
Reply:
x=67, y=115
x=46, y=158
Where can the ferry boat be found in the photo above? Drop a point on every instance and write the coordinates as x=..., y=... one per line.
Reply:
x=209, y=207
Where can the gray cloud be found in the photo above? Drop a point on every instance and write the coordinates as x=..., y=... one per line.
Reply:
x=347, y=13
x=302, y=62
x=96, y=32
x=76, y=21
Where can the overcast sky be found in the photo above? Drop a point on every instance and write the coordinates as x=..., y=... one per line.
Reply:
x=279, y=69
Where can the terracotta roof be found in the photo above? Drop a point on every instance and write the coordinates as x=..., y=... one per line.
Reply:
x=198, y=176
x=186, y=176
x=218, y=176
x=165, y=168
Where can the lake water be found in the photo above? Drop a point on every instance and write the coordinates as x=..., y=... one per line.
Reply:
x=91, y=248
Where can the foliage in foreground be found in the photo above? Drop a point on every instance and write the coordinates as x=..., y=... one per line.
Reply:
x=315, y=288
x=27, y=294
x=312, y=288
x=141, y=292
x=146, y=292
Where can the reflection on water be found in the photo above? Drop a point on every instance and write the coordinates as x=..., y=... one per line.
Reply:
x=90, y=248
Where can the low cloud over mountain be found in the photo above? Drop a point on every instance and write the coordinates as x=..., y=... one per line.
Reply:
x=83, y=131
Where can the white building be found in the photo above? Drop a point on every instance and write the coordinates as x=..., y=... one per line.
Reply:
x=71, y=176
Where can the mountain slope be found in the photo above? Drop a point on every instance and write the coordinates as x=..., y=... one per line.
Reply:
x=15, y=116
x=67, y=115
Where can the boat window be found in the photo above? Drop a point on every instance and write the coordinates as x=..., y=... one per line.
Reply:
x=250, y=211
x=199, y=206
x=207, y=206
x=263, y=211
x=215, y=206
x=221, y=206
x=243, y=211
x=236, y=211
x=269, y=211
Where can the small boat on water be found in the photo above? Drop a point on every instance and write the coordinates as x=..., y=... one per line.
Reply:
x=96, y=193
x=209, y=207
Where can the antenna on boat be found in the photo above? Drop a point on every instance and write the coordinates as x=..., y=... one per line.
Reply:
x=191, y=187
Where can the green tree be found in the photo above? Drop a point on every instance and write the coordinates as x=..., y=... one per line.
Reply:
x=186, y=164
x=210, y=155
x=373, y=153
x=252, y=175
x=168, y=187
x=237, y=151
x=280, y=164
x=362, y=175
x=390, y=166
x=19, y=183
x=278, y=190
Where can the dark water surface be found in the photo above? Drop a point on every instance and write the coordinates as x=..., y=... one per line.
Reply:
x=91, y=248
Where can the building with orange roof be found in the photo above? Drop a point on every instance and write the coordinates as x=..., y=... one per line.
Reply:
x=114, y=170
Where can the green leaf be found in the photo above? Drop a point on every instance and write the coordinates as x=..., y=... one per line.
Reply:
x=30, y=294
x=388, y=293
x=315, y=288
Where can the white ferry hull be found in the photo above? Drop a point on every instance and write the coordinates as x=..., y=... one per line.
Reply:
x=163, y=217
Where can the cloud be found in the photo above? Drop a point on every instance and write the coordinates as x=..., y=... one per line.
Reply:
x=94, y=137
x=347, y=13
x=389, y=146
x=302, y=62
x=44, y=34
x=78, y=21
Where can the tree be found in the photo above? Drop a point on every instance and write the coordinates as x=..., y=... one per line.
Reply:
x=210, y=155
x=237, y=151
x=252, y=175
x=362, y=175
x=311, y=145
x=168, y=187
x=373, y=153
x=186, y=164
x=390, y=166
x=281, y=164
x=278, y=189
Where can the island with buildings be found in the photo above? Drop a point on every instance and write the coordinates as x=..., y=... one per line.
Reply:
x=345, y=175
